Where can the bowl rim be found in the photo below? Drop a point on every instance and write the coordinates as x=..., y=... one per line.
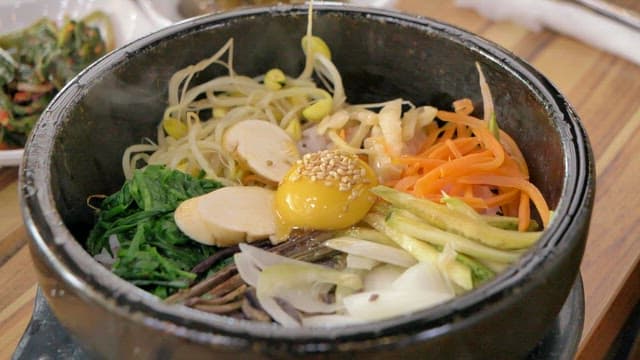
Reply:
x=64, y=254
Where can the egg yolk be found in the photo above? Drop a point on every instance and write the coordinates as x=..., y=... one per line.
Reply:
x=325, y=190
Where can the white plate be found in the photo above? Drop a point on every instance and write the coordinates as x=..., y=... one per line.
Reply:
x=129, y=23
x=165, y=12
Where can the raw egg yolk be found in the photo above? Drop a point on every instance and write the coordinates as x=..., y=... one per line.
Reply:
x=324, y=190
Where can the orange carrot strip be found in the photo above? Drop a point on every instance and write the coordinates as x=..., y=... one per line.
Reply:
x=524, y=212
x=410, y=159
x=457, y=167
x=406, y=183
x=482, y=132
x=475, y=202
x=453, y=148
x=447, y=133
x=468, y=145
x=456, y=189
x=502, y=199
x=511, y=168
x=513, y=149
x=517, y=183
x=468, y=191
x=438, y=151
x=463, y=106
x=433, y=131
x=412, y=169
x=508, y=142
x=443, y=152
x=463, y=131
x=464, y=158
x=509, y=209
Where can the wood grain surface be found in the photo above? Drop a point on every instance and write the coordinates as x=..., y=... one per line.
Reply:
x=603, y=88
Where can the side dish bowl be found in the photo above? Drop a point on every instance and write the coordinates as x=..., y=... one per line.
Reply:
x=75, y=151
x=127, y=20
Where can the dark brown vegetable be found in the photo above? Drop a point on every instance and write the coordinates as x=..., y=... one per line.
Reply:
x=251, y=308
x=224, y=292
x=203, y=286
x=221, y=309
x=229, y=285
x=215, y=258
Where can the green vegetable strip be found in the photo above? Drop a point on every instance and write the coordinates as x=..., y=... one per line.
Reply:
x=508, y=222
x=493, y=126
x=154, y=254
x=368, y=234
x=503, y=222
x=425, y=232
x=457, y=272
x=455, y=222
x=480, y=273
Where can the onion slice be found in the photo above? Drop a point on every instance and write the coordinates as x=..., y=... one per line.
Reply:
x=303, y=286
x=387, y=294
x=262, y=258
x=360, y=262
x=247, y=268
x=375, y=251
x=330, y=320
x=423, y=276
x=375, y=305
x=381, y=277
x=277, y=313
x=487, y=99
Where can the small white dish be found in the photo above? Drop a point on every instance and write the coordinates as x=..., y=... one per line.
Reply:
x=164, y=13
x=10, y=157
x=129, y=23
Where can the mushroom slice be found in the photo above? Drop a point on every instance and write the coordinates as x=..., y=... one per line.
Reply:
x=228, y=216
x=266, y=148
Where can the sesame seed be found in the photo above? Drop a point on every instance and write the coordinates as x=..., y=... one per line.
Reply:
x=332, y=167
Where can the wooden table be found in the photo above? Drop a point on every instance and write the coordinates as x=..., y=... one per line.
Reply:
x=606, y=93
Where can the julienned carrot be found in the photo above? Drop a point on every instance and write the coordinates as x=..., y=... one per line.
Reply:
x=505, y=139
x=464, y=159
x=504, y=198
x=516, y=183
x=524, y=217
x=433, y=131
x=463, y=106
x=406, y=183
x=445, y=149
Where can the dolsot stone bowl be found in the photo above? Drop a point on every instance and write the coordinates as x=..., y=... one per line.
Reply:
x=76, y=148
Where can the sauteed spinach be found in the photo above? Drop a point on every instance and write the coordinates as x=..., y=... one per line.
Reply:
x=152, y=252
x=36, y=62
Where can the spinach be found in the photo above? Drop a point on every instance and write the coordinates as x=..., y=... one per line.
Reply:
x=154, y=254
